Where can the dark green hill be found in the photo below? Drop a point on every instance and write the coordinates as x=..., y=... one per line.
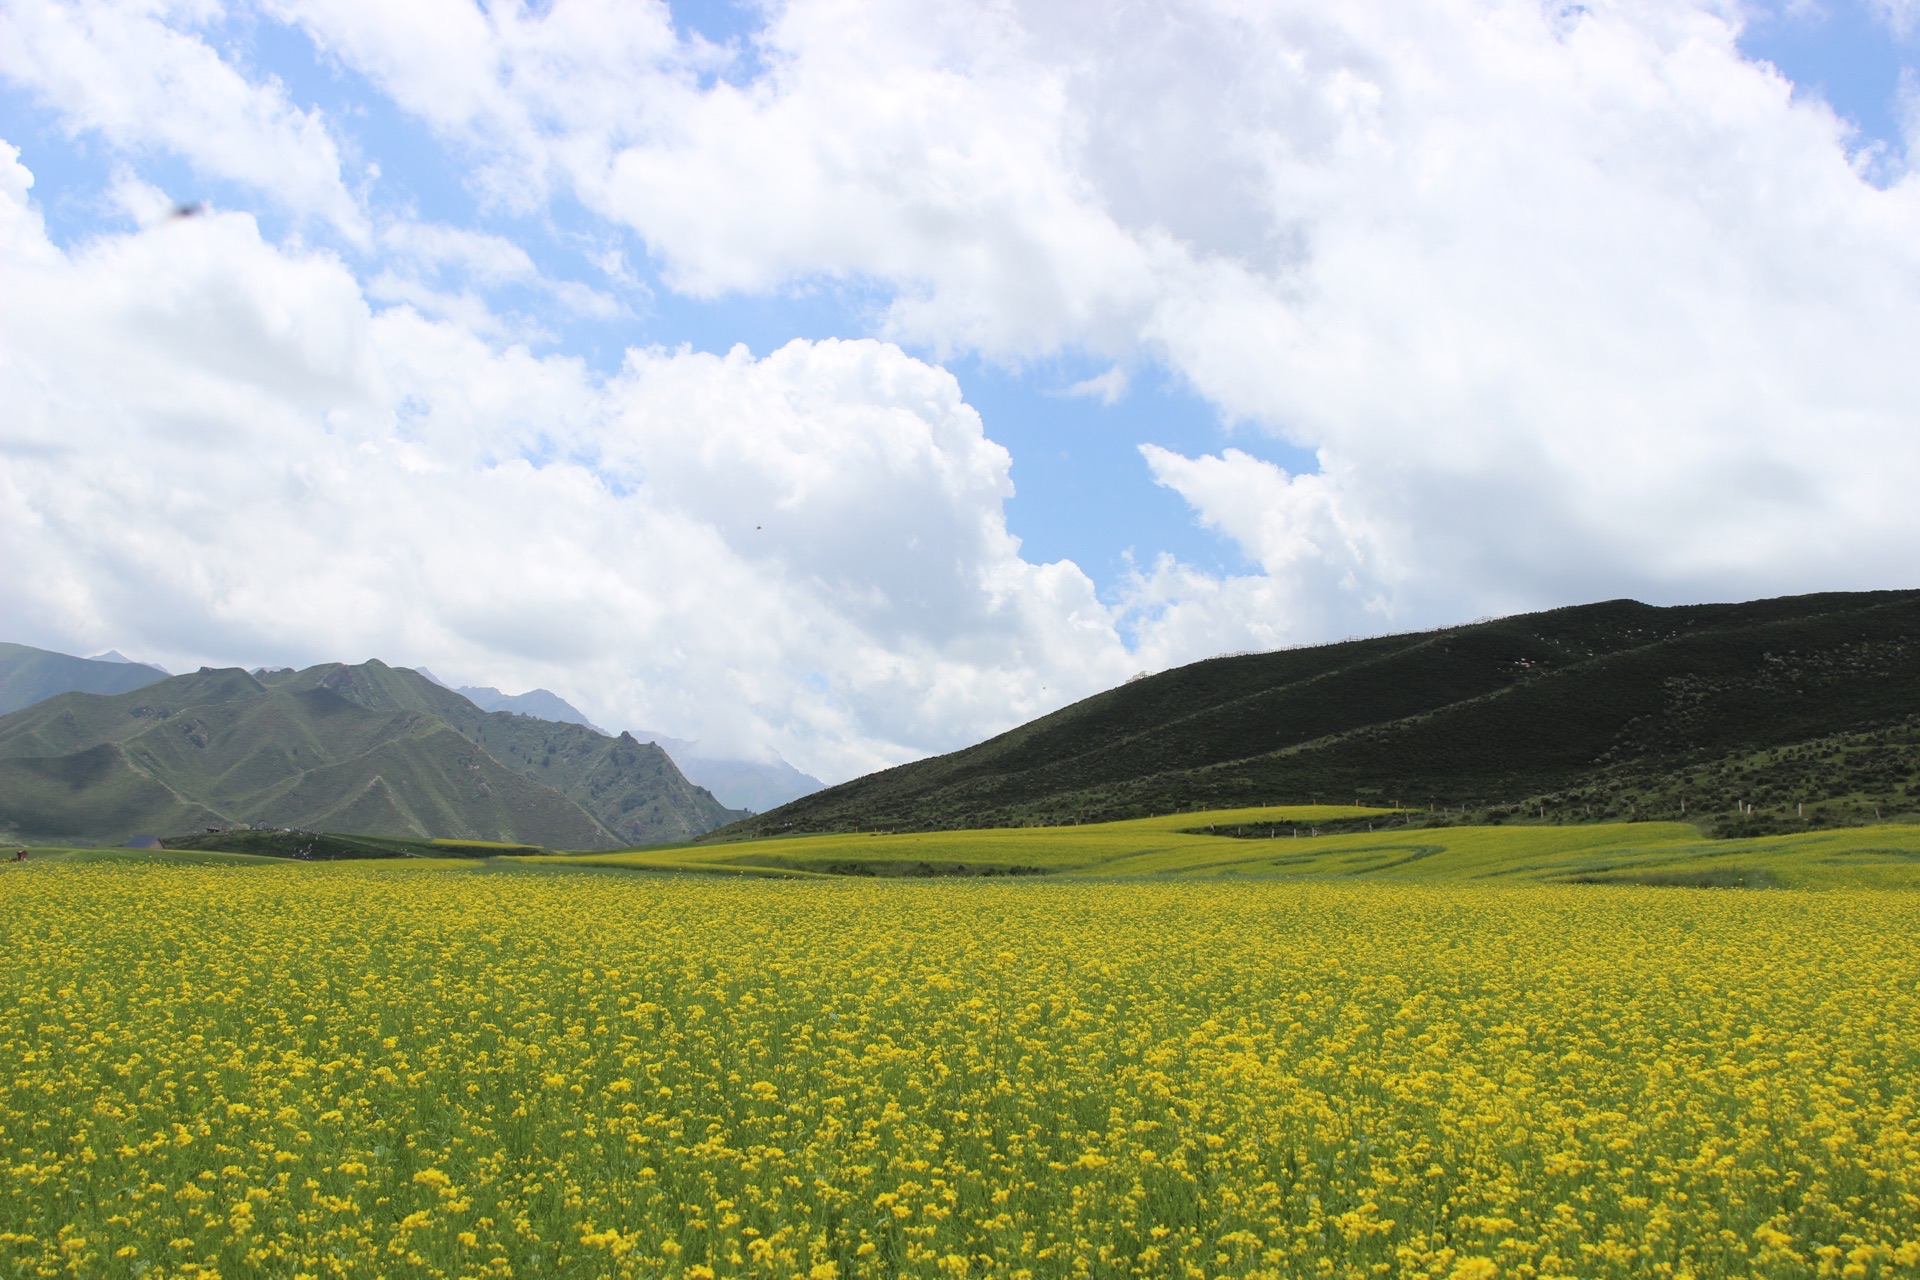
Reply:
x=368, y=749
x=29, y=675
x=1608, y=709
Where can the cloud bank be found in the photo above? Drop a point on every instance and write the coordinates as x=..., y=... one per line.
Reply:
x=1569, y=302
x=224, y=447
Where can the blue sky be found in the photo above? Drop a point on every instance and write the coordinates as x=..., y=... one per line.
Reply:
x=1270, y=364
x=1851, y=56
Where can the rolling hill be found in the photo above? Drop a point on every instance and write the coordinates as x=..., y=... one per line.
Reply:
x=1801, y=710
x=369, y=749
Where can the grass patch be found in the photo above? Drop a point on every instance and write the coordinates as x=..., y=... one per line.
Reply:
x=1179, y=847
x=1688, y=878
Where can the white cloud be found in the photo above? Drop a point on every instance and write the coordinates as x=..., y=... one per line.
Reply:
x=535, y=94
x=1567, y=301
x=444, y=271
x=485, y=258
x=1108, y=388
x=136, y=74
x=1565, y=309
x=1900, y=16
x=217, y=450
x=141, y=201
x=1292, y=526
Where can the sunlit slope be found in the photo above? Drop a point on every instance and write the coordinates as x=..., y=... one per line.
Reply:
x=1614, y=709
x=1278, y=843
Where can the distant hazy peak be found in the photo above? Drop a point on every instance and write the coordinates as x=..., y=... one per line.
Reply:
x=29, y=675
x=114, y=655
x=675, y=747
x=541, y=704
x=758, y=785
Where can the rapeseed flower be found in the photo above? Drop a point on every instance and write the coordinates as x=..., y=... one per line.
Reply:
x=367, y=1071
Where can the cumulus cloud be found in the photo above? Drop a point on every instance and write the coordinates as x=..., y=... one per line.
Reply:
x=1568, y=301
x=218, y=448
x=1293, y=527
x=449, y=271
x=138, y=75
x=1108, y=388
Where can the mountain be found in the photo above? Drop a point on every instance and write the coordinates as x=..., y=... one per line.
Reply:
x=367, y=749
x=748, y=784
x=744, y=784
x=29, y=675
x=114, y=655
x=740, y=784
x=1615, y=709
x=541, y=704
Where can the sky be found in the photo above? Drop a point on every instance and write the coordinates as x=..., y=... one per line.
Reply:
x=854, y=381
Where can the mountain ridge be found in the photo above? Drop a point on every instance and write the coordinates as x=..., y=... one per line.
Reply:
x=737, y=783
x=371, y=749
x=29, y=675
x=541, y=704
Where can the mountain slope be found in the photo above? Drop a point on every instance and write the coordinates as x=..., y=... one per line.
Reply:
x=369, y=749
x=95, y=791
x=1598, y=696
x=29, y=675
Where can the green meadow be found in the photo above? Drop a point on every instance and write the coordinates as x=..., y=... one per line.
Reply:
x=1278, y=843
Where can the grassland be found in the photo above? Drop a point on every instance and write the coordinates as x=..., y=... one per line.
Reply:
x=1279, y=843
x=407, y=1069
x=1273, y=843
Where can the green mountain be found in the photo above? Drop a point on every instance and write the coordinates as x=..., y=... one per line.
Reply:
x=1805, y=708
x=29, y=675
x=368, y=749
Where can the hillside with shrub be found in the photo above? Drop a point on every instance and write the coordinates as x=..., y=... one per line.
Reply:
x=1772, y=714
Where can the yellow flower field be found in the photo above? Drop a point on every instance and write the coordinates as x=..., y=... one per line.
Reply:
x=380, y=1070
